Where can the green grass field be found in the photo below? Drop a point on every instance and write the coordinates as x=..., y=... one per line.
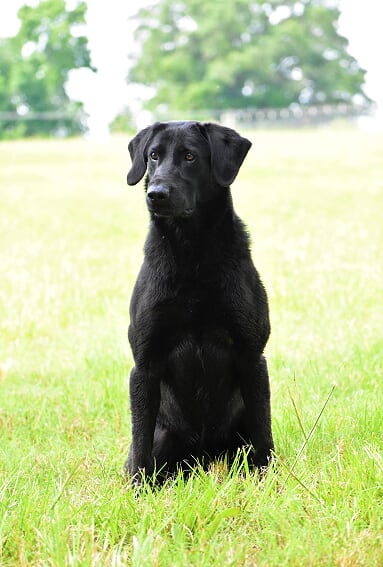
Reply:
x=71, y=237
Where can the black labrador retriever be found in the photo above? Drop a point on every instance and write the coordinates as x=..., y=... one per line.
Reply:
x=199, y=389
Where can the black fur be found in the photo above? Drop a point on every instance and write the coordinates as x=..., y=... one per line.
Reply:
x=199, y=313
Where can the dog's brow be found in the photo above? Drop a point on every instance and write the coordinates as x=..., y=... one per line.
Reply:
x=191, y=140
x=157, y=147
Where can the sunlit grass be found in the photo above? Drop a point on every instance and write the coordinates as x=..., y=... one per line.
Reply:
x=71, y=237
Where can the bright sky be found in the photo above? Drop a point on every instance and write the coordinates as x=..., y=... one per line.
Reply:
x=110, y=39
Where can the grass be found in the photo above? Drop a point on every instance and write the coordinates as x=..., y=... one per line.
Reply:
x=70, y=247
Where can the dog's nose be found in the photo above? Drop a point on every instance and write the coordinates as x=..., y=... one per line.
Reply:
x=158, y=193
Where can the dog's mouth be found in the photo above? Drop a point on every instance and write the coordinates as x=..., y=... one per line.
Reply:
x=171, y=213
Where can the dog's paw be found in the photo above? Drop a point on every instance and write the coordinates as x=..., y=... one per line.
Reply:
x=261, y=458
x=135, y=474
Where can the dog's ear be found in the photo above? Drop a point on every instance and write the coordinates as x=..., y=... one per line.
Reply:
x=228, y=150
x=137, y=150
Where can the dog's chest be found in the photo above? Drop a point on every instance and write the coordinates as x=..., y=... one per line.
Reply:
x=198, y=301
x=193, y=307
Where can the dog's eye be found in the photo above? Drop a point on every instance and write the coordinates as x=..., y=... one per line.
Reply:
x=154, y=156
x=189, y=156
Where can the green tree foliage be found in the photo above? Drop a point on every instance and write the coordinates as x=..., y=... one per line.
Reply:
x=123, y=122
x=35, y=65
x=244, y=53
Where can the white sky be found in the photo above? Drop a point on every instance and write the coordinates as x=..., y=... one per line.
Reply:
x=110, y=39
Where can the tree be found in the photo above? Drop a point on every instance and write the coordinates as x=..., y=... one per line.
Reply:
x=244, y=53
x=123, y=122
x=35, y=65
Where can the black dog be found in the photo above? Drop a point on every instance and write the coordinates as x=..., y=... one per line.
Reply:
x=199, y=314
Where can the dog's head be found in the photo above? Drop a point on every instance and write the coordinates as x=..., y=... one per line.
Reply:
x=187, y=163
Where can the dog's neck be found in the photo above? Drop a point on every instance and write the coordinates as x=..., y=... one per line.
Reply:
x=203, y=238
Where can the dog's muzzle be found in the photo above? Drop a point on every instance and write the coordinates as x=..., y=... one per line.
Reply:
x=159, y=202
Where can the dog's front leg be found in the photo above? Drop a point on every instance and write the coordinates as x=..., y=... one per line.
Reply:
x=255, y=389
x=144, y=403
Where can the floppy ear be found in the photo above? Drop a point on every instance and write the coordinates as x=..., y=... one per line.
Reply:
x=137, y=148
x=228, y=150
